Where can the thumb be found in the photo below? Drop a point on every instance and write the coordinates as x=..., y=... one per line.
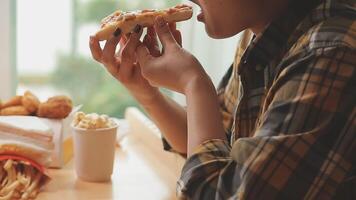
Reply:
x=143, y=54
x=164, y=33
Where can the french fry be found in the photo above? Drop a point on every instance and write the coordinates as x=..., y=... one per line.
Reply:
x=32, y=187
x=19, y=180
x=11, y=187
x=7, y=196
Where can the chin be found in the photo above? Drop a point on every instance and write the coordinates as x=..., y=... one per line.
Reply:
x=219, y=33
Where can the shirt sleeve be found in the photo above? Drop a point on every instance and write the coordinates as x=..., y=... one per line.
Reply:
x=303, y=145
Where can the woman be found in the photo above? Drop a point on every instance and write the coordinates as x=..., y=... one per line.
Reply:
x=282, y=124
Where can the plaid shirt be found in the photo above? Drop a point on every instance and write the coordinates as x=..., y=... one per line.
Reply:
x=288, y=106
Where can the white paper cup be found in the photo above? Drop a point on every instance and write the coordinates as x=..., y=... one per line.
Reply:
x=94, y=152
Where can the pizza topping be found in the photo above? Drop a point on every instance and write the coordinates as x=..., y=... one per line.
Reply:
x=129, y=16
x=111, y=17
x=172, y=10
x=148, y=10
x=116, y=16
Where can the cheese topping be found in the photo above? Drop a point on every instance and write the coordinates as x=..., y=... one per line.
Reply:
x=127, y=16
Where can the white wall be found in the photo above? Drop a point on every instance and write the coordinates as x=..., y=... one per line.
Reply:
x=7, y=82
x=44, y=43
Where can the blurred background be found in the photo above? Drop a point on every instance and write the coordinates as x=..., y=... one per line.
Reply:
x=44, y=48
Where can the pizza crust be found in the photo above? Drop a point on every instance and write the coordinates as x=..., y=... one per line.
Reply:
x=128, y=21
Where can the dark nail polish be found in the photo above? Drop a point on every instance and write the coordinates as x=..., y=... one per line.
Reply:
x=117, y=32
x=137, y=28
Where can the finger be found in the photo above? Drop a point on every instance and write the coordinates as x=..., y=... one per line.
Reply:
x=95, y=48
x=153, y=35
x=173, y=26
x=178, y=37
x=145, y=60
x=176, y=33
x=151, y=31
x=153, y=42
x=122, y=43
x=123, y=40
x=108, y=57
x=164, y=33
x=152, y=45
x=143, y=55
x=133, y=41
x=128, y=53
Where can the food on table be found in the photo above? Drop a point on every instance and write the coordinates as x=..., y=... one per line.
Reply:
x=29, y=151
x=27, y=129
x=125, y=22
x=22, y=172
x=26, y=145
x=14, y=110
x=92, y=121
x=14, y=101
x=57, y=107
x=30, y=102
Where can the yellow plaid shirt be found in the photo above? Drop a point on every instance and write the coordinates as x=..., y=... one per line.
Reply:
x=288, y=105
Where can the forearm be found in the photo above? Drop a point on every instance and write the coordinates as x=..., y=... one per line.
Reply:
x=204, y=117
x=171, y=119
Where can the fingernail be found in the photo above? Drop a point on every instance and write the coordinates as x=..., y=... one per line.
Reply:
x=137, y=28
x=117, y=32
x=160, y=21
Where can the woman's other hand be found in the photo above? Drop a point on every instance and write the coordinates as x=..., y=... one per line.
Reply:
x=174, y=68
x=122, y=65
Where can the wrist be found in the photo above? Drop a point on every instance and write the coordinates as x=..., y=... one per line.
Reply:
x=148, y=100
x=199, y=84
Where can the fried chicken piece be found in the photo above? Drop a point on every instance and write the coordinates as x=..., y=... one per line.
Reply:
x=15, y=110
x=57, y=107
x=14, y=101
x=30, y=102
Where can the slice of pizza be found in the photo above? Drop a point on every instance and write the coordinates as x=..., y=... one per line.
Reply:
x=125, y=22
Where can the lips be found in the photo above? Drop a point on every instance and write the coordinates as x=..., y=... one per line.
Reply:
x=200, y=16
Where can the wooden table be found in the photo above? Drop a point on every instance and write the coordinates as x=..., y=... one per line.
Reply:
x=142, y=170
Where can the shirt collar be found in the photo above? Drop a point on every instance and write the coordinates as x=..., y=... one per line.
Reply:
x=273, y=40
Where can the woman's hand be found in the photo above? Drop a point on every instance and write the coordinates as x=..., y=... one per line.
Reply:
x=175, y=68
x=178, y=70
x=122, y=65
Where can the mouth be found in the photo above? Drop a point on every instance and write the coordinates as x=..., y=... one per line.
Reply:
x=200, y=16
